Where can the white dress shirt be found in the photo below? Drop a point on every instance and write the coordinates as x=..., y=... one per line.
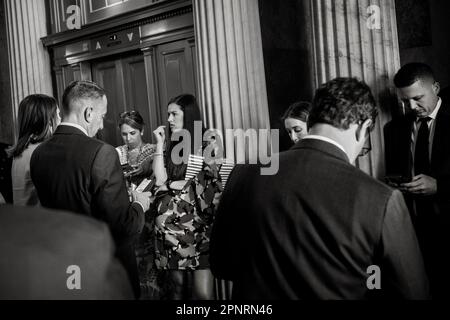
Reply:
x=325, y=139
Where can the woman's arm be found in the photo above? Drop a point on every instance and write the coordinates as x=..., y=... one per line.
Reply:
x=158, y=157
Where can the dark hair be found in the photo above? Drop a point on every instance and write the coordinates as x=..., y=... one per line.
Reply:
x=191, y=111
x=411, y=73
x=133, y=119
x=78, y=90
x=341, y=102
x=298, y=110
x=191, y=114
x=37, y=113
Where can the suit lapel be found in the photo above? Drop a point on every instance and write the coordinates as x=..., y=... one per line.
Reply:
x=441, y=136
x=409, y=131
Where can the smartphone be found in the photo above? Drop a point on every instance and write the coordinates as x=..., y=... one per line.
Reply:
x=146, y=185
x=127, y=168
x=397, y=179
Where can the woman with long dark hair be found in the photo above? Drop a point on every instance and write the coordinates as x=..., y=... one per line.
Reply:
x=38, y=118
x=184, y=215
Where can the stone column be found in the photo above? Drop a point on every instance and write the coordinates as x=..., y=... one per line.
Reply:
x=232, y=81
x=29, y=62
x=358, y=38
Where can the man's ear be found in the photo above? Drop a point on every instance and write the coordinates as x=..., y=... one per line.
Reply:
x=362, y=130
x=88, y=114
x=436, y=87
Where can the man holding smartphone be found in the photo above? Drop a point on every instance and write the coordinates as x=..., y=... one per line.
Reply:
x=418, y=149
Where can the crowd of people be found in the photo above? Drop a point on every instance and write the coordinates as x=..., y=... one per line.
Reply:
x=313, y=230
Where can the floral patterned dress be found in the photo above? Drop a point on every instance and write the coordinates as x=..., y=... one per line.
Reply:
x=184, y=220
x=144, y=244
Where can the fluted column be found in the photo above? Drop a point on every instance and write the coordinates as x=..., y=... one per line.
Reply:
x=232, y=83
x=358, y=38
x=29, y=62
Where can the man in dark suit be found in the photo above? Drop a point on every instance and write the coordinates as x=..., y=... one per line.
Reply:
x=72, y=171
x=56, y=255
x=418, y=148
x=320, y=227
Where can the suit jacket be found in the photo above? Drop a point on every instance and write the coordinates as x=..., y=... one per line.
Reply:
x=74, y=172
x=398, y=155
x=313, y=230
x=37, y=247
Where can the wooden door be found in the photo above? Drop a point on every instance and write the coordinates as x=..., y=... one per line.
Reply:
x=136, y=90
x=176, y=75
x=108, y=75
x=124, y=80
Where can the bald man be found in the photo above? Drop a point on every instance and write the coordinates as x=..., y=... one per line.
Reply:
x=74, y=172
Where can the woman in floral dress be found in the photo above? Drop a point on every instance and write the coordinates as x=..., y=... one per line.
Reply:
x=184, y=208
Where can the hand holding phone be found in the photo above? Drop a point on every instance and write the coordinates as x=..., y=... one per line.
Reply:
x=129, y=170
x=396, y=180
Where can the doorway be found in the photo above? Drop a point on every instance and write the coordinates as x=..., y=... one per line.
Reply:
x=124, y=79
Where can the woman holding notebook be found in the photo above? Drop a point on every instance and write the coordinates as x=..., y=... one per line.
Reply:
x=185, y=205
x=135, y=155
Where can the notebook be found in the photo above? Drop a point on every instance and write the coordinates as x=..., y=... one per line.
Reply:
x=146, y=185
x=195, y=165
x=225, y=171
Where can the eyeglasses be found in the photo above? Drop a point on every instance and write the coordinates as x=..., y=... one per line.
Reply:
x=365, y=150
x=367, y=146
x=368, y=143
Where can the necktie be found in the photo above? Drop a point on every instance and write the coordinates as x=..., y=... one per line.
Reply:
x=422, y=153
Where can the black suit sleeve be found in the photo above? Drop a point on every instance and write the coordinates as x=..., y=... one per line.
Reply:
x=227, y=244
x=402, y=270
x=110, y=198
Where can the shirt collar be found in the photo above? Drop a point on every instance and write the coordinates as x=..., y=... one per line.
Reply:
x=322, y=138
x=434, y=114
x=74, y=125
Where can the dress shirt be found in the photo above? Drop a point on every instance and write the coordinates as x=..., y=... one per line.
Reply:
x=432, y=129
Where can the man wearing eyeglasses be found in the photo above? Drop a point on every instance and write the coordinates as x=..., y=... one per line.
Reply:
x=418, y=147
x=316, y=229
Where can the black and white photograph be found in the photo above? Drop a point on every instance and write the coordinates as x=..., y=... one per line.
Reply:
x=224, y=155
